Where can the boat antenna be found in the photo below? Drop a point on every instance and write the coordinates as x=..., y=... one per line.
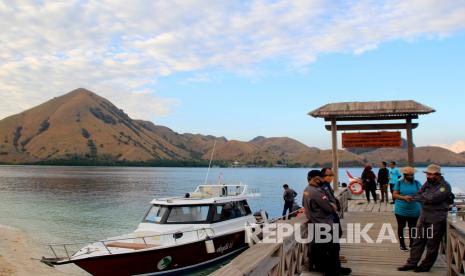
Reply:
x=210, y=164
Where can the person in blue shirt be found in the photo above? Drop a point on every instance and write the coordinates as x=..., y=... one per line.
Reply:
x=406, y=209
x=394, y=176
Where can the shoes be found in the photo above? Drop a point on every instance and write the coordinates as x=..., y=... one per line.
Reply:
x=407, y=267
x=392, y=202
x=422, y=269
x=345, y=271
x=403, y=248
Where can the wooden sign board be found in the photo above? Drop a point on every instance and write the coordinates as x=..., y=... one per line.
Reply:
x=384, y=139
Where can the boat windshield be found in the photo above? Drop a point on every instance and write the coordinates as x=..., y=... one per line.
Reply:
x=162, y=214
x=188, y=214
x=155, y=214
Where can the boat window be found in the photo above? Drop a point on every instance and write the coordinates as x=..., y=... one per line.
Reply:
x=155, y=214
x=188, y=214
x=230, y=210
x=246, y=207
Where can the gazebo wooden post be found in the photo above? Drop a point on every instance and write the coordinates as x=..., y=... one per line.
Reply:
x=335, y=159
x=370, y=111
x=410, y=141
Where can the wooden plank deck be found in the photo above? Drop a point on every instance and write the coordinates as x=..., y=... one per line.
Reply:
x=376, y=259
x=361, y=205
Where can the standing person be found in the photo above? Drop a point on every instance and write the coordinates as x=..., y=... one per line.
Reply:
x=369, y=182
x=328, y=177
x=288, y=196
x=319, y=210
x=435, y=196
x=406, y=210
x=394, y=176
x=383, y=180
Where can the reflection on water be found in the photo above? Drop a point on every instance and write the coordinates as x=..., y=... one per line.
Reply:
x=56, y=204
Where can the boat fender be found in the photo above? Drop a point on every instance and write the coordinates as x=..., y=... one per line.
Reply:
x=209, y=245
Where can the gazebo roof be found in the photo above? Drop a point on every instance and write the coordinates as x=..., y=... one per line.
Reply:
x=371, y=110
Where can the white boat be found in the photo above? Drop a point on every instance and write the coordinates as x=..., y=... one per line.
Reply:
x=177, y=234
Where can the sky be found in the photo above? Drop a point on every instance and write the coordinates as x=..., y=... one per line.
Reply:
x=240, y=69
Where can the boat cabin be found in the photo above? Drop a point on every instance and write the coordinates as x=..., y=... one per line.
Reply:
x=197, y=214
x=207, y=204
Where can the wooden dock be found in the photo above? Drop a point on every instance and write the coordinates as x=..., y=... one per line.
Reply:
x=365, y=259
x=376, y=259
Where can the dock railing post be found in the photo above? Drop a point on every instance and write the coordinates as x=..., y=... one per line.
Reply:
x=448, y=251
x=410, y=155
x=334, y=151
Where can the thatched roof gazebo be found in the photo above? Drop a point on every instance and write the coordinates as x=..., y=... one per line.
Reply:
x=383, y=110
x=370, y=111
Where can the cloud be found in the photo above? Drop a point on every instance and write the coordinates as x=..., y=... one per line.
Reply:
x=457, y=147
x=50, y=47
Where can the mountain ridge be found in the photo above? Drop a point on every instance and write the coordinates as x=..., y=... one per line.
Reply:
x=83, y=125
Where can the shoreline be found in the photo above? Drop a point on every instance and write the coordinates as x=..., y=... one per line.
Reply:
x=20, y=256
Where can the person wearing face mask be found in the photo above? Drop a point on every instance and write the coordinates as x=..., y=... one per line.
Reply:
x=406, y=210
x=435, y=196
x=323, y=256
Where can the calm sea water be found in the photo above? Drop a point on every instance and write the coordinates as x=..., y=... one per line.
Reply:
x=57, y=204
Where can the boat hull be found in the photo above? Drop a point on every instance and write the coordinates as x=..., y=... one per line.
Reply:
x=164, y=261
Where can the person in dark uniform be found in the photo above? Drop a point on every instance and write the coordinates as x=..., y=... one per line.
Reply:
x=328, y=177
x=383, y=180
x=435, y=195
x=288, y=196
x=323, y=256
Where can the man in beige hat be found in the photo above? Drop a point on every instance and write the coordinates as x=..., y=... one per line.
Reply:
x=435, y=196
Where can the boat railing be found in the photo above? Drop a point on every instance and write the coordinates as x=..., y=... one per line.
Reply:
x=66, y=251
x=205, y=191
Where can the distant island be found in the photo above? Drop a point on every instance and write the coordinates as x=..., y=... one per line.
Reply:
x=82, y=128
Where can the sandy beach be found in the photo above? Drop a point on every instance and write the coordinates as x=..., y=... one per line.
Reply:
x=18, y=256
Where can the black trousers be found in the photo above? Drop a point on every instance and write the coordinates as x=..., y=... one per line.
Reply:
x=370, y=189
x=431, y=243
x=402, y=221
x=324, y=257
x=287, y=206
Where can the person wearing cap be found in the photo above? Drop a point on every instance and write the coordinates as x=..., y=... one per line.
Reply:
x=435, y=196
x=328, y=177
x=406, y=209
x=323, y=256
